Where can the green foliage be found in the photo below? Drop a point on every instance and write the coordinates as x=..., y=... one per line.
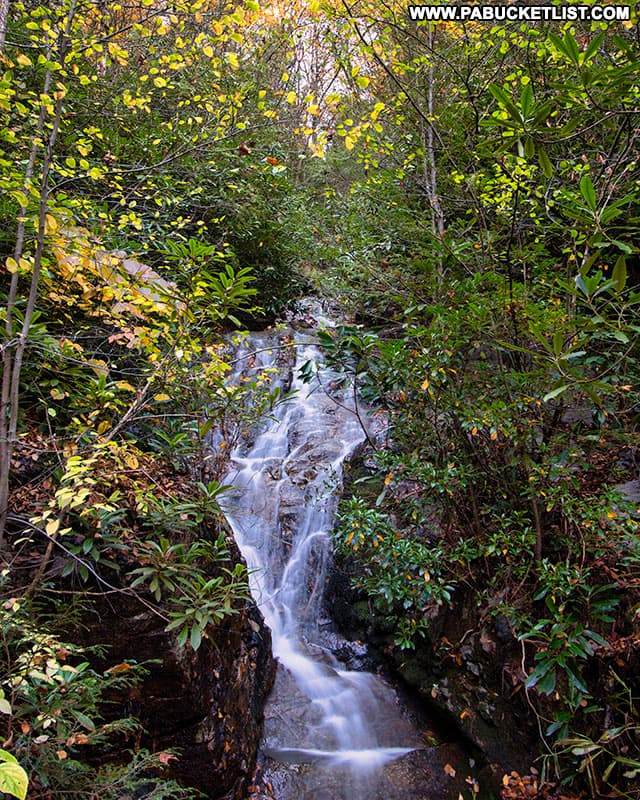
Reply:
x=13, y=778
x=404, y=577
x=175, y=573
x=490, y=252
x=57, y=701
x=477, y=209
x=139, y=779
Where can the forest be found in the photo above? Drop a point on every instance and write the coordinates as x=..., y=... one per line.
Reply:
x=467, y=193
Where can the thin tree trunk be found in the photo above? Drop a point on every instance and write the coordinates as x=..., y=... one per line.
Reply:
x=430, y=171
x=14, y=347
x=4, y=19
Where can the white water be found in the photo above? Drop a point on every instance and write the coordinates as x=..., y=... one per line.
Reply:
x=286, y=477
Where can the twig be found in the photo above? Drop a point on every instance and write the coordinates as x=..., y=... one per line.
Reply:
x=128, y=591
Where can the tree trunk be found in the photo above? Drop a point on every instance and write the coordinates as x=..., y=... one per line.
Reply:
x=4, y=19
x=15, y=345
x=430, y=172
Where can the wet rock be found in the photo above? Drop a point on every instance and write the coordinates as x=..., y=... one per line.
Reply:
x=442, y=772
x=630, y=490
x=468, y=689
x=208, y=703
x=437, y=772
x=504, y=631
x=353, y=654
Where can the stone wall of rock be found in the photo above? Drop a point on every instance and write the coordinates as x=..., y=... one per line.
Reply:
x=208, y=703
x=466, y=672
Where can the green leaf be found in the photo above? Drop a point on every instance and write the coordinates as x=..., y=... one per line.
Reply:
x=584, y=269
x=608, y=771
x=554, y=393
x=547, y=684
x=576, y=681
x=582, y=750
x=632, y=773
x=557, y=41
x=622, y=246
x=529, y=147
x=588, y=192
x=6, y=756
x=553, y=727
x=539, y=673
x=13, y=779
x=504, y=100
x=609, y=214
x=545, y=163
x=571, y=48
x=86, y=722
x=558, y=342
x=525, y=100
x=183, y=636
x=195, y=638
x=581, y=284
x=542, y=113
x=593, y=47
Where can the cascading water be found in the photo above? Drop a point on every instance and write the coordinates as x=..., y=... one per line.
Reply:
x=328, y=731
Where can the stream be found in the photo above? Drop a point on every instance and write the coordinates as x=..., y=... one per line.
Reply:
x=330, y=733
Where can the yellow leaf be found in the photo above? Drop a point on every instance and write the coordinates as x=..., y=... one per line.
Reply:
x=11, y=264
x=50, y=224
x=124, y=667
x=23, y=60
x=291, y=98
x=425, y=384
x=131, y=461
x=52, y=527
x=161, y=397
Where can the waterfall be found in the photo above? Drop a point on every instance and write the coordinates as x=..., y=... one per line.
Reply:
x=286, y=476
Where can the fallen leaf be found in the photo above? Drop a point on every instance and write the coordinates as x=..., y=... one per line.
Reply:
x=450, y=771
x=119, y=668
